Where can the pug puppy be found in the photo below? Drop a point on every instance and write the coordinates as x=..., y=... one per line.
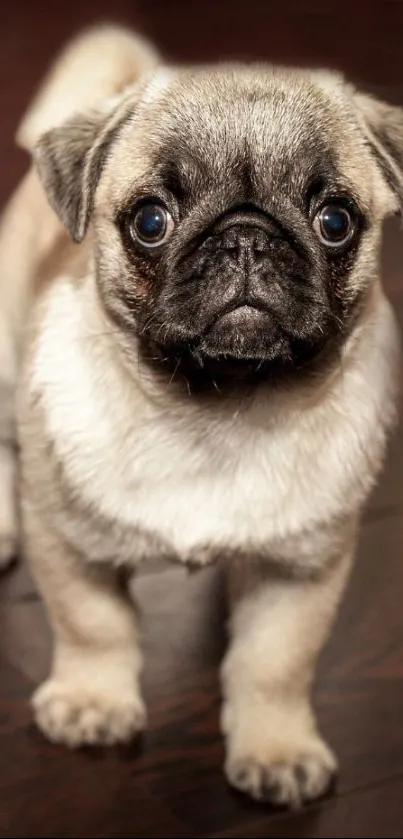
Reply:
x=209, y=372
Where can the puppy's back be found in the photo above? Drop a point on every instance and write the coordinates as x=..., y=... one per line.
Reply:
x=34, y=247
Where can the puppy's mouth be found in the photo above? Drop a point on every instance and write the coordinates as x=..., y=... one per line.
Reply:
x=243, y=345
x=237, y=332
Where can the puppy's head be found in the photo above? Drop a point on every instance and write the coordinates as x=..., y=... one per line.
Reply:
x=236, y=212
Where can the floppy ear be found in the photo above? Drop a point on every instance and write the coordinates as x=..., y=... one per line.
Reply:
x=70, y=159
x=383, y=126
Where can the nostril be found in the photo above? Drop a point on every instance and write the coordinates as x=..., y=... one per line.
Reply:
x=230, y=240
x=259, y=242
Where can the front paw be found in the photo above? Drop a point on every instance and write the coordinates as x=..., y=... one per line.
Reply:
x=285, y=766
x=80, y=716
x=289, y=783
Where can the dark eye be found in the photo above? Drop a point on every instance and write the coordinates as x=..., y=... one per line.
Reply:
x=334, y=225
x=151, y=224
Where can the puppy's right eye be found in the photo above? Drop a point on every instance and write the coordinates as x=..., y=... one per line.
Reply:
x=150, y=224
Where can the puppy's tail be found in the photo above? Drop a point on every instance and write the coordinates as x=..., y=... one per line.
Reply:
x=96, y=65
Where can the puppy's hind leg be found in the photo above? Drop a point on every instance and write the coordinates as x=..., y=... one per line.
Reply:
x=8, y=455
x=17, y=268
x=15, y=279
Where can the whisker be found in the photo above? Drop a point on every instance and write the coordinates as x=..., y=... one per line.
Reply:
x=175, y=370
x=216, y=387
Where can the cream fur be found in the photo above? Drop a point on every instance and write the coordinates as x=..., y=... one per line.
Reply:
x=117, y=468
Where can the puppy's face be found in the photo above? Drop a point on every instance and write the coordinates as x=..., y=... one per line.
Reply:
x=237, y=214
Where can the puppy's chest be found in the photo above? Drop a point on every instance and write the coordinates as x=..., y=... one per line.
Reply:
x=159, y=496
x=139, y=485
x=164, y=493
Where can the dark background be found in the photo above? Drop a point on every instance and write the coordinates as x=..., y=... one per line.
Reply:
x=171, y=785
x=364, y=39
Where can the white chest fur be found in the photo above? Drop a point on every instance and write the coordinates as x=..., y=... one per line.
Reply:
x=244, y=477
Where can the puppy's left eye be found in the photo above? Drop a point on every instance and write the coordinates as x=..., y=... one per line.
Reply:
x=151, y=224
x=334, y=225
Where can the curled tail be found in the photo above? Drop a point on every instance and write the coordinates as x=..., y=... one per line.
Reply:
x=97, y=64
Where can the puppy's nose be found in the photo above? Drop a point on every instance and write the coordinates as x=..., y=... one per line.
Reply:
x=244, y=244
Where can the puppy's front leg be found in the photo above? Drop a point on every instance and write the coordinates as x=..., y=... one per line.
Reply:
x=278, y=626
x=93, y=694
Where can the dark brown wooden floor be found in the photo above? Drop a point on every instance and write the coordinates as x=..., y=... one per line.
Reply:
x=171, y=784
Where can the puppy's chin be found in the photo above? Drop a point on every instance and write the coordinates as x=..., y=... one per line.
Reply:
x=242, y=348
x=244, y=333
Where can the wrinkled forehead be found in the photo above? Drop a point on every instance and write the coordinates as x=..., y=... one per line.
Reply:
x=261, y=123
x=226, y=111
